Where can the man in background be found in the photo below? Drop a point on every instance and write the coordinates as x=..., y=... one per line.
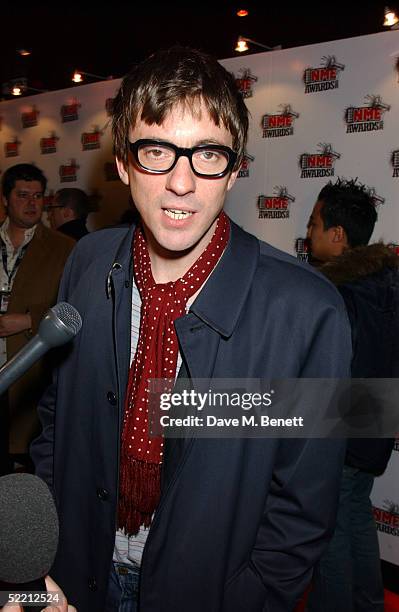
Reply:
x=69, y=211
x=348, y=577
x=32, y=261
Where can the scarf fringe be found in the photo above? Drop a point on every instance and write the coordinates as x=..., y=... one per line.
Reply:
x=140, y=487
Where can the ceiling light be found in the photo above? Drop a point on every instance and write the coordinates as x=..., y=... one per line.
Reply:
x=78, y=76
x=390, y=17
x=18, y=87
x=242, y=13
x=242, y=45
x=23, y=52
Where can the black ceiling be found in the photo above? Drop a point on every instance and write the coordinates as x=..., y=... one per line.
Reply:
x=107, y=39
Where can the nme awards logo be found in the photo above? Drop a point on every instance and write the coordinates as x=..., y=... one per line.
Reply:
x=49, y=144
x=281, y=124
x=366, y=118
x=91, y=140
x=387, y=518
x=245, y=81
x=68, y=172
x=11, y=149
x=111, y=171
x=324, y=77
x=70, y=112
x=30, y=118
x=302, y=249
x=276, y=206
x=395, y=163
x=244, y=168
x=321, y=164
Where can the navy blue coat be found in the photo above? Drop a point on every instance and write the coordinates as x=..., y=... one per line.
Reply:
x=368, y=280
x=241, y=522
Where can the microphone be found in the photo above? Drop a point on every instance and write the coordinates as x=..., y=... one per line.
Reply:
x=59, y=325
x=28, y=533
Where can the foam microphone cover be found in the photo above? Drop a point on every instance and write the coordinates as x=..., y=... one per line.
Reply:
x=28, y=528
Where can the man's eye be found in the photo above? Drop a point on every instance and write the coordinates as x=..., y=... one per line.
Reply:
x=157, y=153
x=210, y=155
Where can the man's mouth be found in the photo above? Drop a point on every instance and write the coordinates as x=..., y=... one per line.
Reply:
x=177, y=214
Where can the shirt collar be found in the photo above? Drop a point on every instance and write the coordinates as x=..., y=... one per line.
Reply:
x=29, y=233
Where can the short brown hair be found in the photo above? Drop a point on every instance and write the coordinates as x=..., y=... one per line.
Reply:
x=178, y=75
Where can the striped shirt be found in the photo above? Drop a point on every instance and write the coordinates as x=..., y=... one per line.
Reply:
x=130, y=549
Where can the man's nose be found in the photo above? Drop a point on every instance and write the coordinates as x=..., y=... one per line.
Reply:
x=181, y=179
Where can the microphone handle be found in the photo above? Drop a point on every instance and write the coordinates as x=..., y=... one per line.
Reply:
x=21, y=362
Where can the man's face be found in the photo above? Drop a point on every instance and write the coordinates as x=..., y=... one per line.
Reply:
x=179, y=209
x=25, y=204
x=55, y=214
x=321, y=240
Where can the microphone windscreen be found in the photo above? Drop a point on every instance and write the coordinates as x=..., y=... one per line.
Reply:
x=68, y=315
x=28, y=528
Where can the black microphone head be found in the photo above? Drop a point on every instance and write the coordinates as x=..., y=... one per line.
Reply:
x=60, y=324
x=28, y=528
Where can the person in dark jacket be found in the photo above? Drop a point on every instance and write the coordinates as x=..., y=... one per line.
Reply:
x=348, y=577
x=194, y=524
x=69, y=211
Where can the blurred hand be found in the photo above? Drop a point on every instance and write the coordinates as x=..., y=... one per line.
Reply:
x=53, y=588
x=14, y=324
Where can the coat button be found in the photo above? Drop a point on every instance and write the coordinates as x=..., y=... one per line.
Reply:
x=111, y=397
x=92, y=583
x=102, y=494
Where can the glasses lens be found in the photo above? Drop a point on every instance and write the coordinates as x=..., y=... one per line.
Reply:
x=25, y=195
x=210, y=161
x=156, y=157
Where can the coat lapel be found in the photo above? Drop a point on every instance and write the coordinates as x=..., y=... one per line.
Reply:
x=213, y=316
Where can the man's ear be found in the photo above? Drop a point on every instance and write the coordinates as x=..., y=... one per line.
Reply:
x=339, y=234
x=232, y=179
x=122, y=171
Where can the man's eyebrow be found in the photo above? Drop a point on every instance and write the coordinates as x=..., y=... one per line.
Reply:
x=198, y=143
x=205, y=141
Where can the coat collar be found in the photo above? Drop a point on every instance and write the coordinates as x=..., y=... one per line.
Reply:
x=123, y=262
x=360, y=262
x=232, y=276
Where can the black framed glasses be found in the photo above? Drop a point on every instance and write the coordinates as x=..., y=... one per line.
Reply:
x=207, y=160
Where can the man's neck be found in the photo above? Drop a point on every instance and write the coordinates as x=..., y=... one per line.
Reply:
x=165, y=270
x=16, y=234
x=167, y=266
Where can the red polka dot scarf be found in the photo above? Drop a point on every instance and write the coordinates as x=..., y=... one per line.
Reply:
x=155, y=357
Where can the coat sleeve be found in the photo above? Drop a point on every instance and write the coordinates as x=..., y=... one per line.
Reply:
x=299, y=516
x=42, y=449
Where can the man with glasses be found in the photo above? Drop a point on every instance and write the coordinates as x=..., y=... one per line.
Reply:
x=69, y=211
x=32, y=261
x=202, y=525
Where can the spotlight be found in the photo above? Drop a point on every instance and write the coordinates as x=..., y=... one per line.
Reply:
x=390, y=18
